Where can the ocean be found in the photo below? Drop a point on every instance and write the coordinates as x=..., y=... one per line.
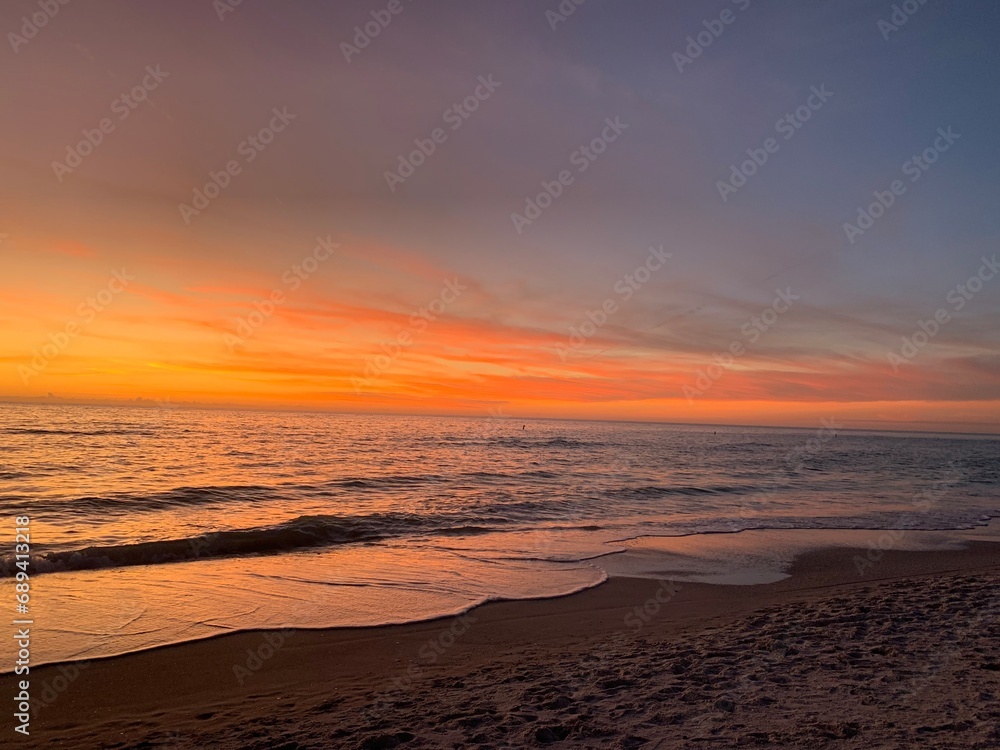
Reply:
x=155, y=525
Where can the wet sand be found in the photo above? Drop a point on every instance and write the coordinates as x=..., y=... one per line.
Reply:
x=906, y=654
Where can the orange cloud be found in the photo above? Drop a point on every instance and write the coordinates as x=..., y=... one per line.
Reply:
x=71, y=249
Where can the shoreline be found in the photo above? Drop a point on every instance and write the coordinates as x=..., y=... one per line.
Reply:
x=198, y=683
x=691, y=546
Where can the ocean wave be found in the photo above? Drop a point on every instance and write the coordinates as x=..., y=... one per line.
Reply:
x=83, y=433
x=305, y=532
x=388, y=480
x=528, y=442
x=521, y=440
x=537, y=474
x=648, y=491
x=157, y=501
x=180, y=497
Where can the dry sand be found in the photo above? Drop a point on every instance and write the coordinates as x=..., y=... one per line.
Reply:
x=906, y=656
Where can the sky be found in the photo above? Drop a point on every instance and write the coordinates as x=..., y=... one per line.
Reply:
x=644, y=210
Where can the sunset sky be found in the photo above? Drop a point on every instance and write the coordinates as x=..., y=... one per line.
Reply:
x=421, y=293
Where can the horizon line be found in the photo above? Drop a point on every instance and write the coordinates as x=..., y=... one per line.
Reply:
x=148, y=403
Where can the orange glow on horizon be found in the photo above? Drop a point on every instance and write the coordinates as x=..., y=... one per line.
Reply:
x=422, y=346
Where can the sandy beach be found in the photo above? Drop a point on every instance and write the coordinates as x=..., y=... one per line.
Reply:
x=905, y=655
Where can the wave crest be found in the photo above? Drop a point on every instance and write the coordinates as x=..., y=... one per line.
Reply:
x=304, y=532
